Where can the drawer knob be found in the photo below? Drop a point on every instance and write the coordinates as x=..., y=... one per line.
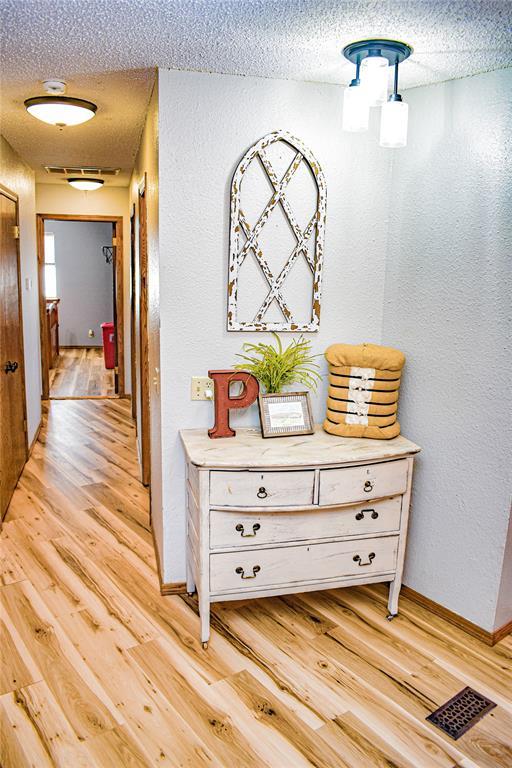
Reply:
x=360, y=516
x=374, y=515
x=255, y=569
x=368, y=486
x=357, y=559
x=240, y=529
x=262, y=493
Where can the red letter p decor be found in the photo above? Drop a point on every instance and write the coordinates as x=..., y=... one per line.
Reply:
x=224, y=401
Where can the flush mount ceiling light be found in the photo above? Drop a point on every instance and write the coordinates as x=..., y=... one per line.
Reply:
x=86, y=185
x=57, y=109
x=369, y=88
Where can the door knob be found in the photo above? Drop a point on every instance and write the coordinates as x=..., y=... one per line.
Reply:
x=10, y=366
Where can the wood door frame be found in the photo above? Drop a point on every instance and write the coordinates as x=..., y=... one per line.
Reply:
x=10, y=195
x=117, y=221
x=145, y=444
x=133, y=346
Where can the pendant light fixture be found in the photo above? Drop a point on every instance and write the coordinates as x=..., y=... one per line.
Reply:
x=374, y=78
x=394, y=117
x=356, y=110
x=372, y=59
x=57, y=109
x=85, y=184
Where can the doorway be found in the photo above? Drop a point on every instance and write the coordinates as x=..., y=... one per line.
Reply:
x=81, y=306
x=13, y=413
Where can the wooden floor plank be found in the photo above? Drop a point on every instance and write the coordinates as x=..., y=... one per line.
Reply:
x=487, y=742
x=367, y=691
x=302, y=680
x=20, y=743
x=361, y=746
x=102, y=671
x=80, y=372
x=17, y=667
x=11, y=564
x=87, y=705
x=116, y=748
x=455, y=658
x=201, y=704
x=499, y=656
x=273, y=714
x=44, y=715
x=161, y=730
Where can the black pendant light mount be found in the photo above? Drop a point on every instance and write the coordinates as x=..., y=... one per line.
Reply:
x=392, y=50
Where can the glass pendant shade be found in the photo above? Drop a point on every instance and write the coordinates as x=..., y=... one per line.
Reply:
x=355, y=109
x=87, y=185
x=60, y=110
x=393, y=124
x=374, y=80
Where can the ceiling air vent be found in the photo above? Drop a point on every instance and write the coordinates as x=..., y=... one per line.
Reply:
x=55, y=170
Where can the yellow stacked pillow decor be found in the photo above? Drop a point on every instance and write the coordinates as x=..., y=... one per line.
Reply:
x=364, y=381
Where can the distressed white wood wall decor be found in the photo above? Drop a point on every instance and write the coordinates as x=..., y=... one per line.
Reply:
x=276, y=242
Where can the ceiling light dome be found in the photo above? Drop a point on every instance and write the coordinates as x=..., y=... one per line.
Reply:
x=85, y=184
x=60, y=110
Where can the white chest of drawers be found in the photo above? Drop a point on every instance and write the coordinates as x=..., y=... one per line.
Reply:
x=294, y=514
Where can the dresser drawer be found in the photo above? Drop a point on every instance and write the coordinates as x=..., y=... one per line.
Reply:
x=257, y=569
x=239, y=529
x=261, y=489
x=372, y=481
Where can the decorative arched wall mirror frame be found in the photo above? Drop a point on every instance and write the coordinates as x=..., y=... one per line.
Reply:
x=276, y=242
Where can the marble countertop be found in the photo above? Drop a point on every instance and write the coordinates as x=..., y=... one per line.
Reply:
x=248, y=449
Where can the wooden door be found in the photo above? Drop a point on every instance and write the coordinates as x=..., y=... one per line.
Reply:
x=133, y=349
x=13, y=425
x=144, y=345
x=114, y=308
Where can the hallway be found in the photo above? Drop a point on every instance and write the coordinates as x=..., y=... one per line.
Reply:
x=81, y=372
x=101, y=671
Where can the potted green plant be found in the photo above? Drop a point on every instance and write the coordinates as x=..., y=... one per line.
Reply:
x=276, y=367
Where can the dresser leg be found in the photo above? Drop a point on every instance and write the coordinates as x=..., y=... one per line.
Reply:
x=191, y=587
x=394, y=592
x=204, y=613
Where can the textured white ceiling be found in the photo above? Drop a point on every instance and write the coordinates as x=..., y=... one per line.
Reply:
x=110, y=139
x=101, y=47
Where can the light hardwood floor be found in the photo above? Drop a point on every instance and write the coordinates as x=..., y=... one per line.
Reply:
x=80, y=372
x=101, y=671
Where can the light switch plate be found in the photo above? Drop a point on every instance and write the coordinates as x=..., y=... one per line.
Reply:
x=201, y=388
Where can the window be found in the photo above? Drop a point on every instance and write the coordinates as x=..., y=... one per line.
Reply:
x=50, y=269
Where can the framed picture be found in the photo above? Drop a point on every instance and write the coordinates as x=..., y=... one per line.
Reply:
x=286, y=414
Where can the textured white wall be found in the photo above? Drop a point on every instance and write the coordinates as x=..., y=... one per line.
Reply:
x=19, y=178
x=107, y=201
x=447, y=305
x=206, y=124
x=84, y=279
x=417, y=254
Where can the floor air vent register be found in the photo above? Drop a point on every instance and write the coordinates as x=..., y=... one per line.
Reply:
x=463, y=711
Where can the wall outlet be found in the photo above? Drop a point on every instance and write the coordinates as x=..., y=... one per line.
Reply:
x=91, y=333
x=201, y=388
